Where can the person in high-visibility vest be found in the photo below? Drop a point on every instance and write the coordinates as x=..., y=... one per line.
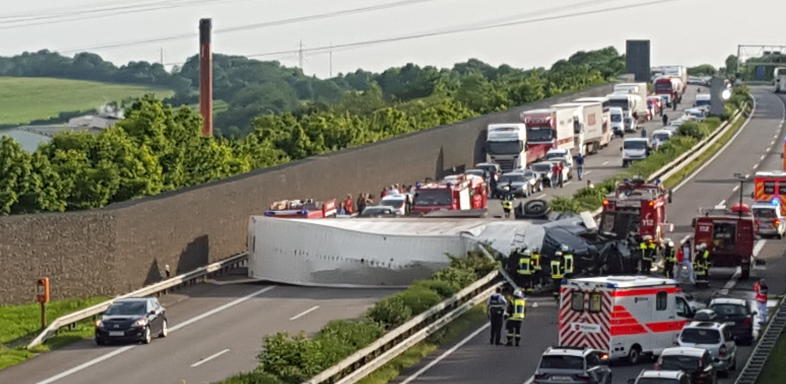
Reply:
x=557, y=270
x=525, y=270
x=567, y=260
x=517, y=311
x=507, y=206
x=701, y=263
x=760, y=288
x=536, y=260
x=669, y=258
x=496, y=313
x=647, y=248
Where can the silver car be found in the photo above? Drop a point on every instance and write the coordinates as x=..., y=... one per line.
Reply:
x=715, y=337
x=572, y=365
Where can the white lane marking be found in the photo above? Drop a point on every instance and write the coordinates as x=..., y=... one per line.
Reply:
x=211, y=357
x=768, y=149
x=605, y=162
x=219, y=309
x=762, y=156
x=445, y=354
x=542, y=195
x=732, y=282
x=736, y=187
x=86, y=365
x=306, y=312
x=722, y=202
x=708, y=162
x=116, y=352
x=755, y=165
x=772, y=142
x=759, y=245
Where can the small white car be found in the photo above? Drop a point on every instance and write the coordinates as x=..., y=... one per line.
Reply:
x=699, y=114
x=661, y=136
x=715, y=337
x=560, y=154
x=400, y=203
x=769, y=219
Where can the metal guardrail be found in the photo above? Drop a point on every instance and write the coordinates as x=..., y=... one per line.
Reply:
x=157, y=288
x=755, y=364
x=367, y=360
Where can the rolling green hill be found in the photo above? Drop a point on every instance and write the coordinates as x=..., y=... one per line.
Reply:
x=24, y=99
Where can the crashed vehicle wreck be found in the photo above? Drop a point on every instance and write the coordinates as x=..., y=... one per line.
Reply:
x=373, y=252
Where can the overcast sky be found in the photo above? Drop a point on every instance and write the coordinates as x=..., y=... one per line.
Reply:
x=538, y=32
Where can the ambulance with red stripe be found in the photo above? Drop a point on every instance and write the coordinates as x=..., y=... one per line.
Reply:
x=625, y=316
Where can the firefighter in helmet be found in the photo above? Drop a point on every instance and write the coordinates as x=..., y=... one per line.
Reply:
x=557, y=271
x=517, y=311
x=648, y=250
x=525, y=270
x=567, y=260
x=701, y=263
x=669, y=258
x=507, y=205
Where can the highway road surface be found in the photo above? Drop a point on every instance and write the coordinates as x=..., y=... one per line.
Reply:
x=216, y=330
x=757, y=147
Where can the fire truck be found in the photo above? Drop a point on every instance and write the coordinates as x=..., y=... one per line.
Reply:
x=729, y=235
x=461, y=192
x=625, y=316
x=302, y=209
x=636, y=207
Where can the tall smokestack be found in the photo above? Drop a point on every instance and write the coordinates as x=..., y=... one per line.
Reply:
x=206, y=76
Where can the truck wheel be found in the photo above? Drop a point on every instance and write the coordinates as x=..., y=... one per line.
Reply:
x=634, y=356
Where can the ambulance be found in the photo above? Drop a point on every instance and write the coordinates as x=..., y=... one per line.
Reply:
x=624, y=316
x=769, y=209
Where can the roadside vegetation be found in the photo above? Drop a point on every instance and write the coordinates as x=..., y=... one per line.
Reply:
x=21, y=323
x=157, y=148
x=292, y=359
x=774, y=371
x=690, y=133
x=25, y=99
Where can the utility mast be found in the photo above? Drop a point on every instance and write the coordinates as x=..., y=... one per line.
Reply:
x=300, y=56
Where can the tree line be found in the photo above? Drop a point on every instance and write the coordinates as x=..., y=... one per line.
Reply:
x=157, y=147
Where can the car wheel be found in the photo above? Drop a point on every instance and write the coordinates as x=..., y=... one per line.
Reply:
x=100, y=341
x=634, y=356
x=164, y=329
x=148, y=337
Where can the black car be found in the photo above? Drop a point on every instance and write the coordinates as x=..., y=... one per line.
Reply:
x=739, y=312
x=134, y=319
x=697, y=362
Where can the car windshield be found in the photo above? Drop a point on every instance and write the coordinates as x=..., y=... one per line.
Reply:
x=476, y=172
x=512, y=177
x=562, y=362
x=616, y=118
x=428, y=197
x=395, y=203
x=539, y=134
x=700, y=103
x=677, y=363
x=663, y=86
x=700, y=336
x=657, y=380
x=374, y=211
x=764, y=213
x=661, y=136
x=541, y=167
x=125, y=308
x=729, y=309
x=634, y=144
x=504, y=147
x=622, y=103
x=555, y=155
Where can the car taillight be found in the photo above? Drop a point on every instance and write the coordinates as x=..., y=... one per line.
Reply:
x=776, y=222
x=722, y=351
x=657, y=367
x=748, y=321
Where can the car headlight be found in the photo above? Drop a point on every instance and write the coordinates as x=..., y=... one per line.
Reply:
x=141, y=322
x=99, y=324
x=506, y=188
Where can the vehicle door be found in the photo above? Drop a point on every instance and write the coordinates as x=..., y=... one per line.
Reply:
x=728, y=340
x=664, y=322
x=155, y=318
x=597, y=368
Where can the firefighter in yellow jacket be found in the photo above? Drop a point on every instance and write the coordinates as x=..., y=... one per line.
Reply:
x=517, y=311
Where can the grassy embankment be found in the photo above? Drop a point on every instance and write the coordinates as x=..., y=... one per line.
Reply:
x=21, y=323
x=24, y=99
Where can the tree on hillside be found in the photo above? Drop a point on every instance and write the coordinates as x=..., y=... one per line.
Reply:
x=702, y=70
x=15, y=170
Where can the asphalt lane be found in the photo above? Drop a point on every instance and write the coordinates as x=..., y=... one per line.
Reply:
x=607, y=162
x=215, y=331
x=478, y=362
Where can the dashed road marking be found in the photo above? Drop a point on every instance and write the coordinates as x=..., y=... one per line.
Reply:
x=736, y=187
x=211, y=357
x=762, y=156
x=722, y=202
x=306, y=312
x=542, y=195
x=605, y=162
x=755, y=165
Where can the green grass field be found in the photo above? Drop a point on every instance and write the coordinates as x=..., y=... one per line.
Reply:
x=20, y=323
x=24, y=99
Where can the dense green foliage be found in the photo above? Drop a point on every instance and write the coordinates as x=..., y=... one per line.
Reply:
x=157, y=147
x=702, y=70
x=295, y=358
x=688, y=134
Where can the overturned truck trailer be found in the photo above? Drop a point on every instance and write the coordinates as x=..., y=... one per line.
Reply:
x=371, y=252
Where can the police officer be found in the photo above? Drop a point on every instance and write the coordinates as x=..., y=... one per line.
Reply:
x=517, y=311
x=557, y=270
x=567, y=260
x=496, y=312
x=669, y=258
x=507, y=205
x=525, y=269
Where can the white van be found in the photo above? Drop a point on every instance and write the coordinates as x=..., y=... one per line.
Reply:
x=617, y=120
x=634, y=149
x=660, y=136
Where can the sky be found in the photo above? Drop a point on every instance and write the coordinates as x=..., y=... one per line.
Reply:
x=521, y=33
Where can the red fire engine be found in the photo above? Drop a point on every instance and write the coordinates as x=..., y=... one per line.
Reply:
x=298, y=209
x=635, y=207
x=729, y=235
x=462, y=192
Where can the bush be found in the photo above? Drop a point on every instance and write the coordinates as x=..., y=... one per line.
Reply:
x=419, y=299
x=255, y=377
x=293, y=359
x=390, y=312
x=457, y=277
x=691, y=129
x=340, y=338
x=442, y=288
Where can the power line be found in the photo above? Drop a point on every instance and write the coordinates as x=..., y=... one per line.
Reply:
x=463, y=29
x=260, y=25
